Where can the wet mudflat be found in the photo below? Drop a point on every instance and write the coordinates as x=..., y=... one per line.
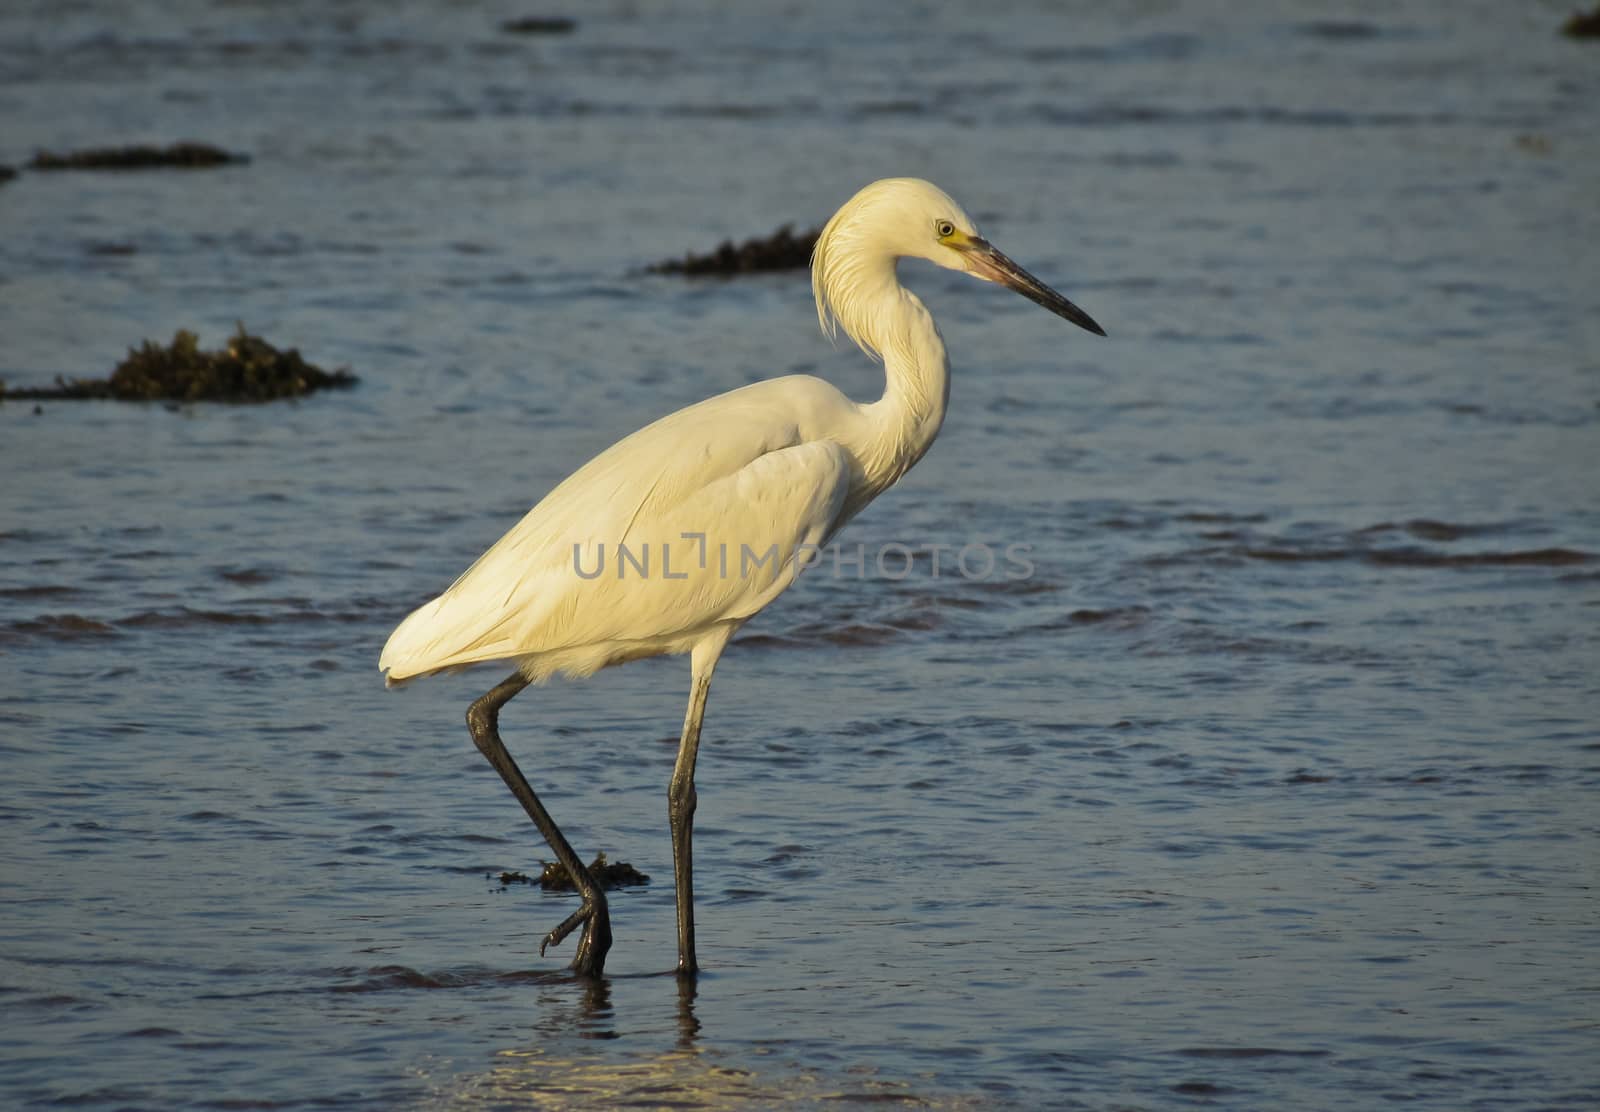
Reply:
x=1241, y=749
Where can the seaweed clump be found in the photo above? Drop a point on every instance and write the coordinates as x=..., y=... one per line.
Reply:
x=782, y=250
x=183, y=156
x=555, y=877
x=1583, y=25
x=248, y=370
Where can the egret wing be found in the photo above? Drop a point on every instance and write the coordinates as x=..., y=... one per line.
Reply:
x=695, y=519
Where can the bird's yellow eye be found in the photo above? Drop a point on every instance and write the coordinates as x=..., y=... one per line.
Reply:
x=944, y=228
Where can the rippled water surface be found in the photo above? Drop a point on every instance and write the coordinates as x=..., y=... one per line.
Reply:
x=1271, y=782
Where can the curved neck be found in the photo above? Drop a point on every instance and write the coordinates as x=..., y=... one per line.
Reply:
x=916, y=392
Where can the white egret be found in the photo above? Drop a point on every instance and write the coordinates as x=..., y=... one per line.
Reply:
x=708, y=514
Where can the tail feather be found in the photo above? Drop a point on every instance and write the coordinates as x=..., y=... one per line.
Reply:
x=407, y=651
x=453, y=631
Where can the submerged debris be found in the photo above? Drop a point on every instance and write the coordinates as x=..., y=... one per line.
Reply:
x=555, y=877
x=7, y=172
x=782, y=250
x=1583, y=25
x=248, y=370
x=184, y=156
x=540, y=25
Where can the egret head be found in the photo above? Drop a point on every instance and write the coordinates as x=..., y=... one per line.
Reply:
x=910, y=218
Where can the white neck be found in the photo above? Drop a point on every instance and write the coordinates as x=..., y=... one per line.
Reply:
x=916, y=389
x=857, y=290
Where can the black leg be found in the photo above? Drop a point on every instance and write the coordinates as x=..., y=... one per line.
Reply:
x=680, y=816
x=483, y=719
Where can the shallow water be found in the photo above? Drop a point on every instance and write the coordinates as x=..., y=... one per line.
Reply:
x=1271, y=784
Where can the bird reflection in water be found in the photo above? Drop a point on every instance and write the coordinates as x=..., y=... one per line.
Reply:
x=554, y=1071
x=593, y=1014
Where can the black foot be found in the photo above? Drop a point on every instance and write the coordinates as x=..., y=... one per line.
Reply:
x=595, y=918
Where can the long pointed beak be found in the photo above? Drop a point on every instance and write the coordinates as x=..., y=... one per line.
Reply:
x=985, y=261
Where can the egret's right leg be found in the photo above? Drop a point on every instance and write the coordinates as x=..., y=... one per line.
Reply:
x=681, y=796
x=483, y=719
x=681, y=801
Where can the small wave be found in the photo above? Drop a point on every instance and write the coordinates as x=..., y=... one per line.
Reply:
x=849, y=634
x=212, y=816
x=247, y=577
x=1201, y=1089
x=918, y=618
x=1111, y=618
x=768, y=641
x=185, y=617
x=1292, y=555
x=876, y=727
x=1125, y=114
x=1373, y=544
x=1415, y=557
x=386, y=978
x=58, y=627
x=891, y=108
x=1034, y=585
x=53, y=1000
x=1205, y=640
x=1199, y=517
x=733, y=110
x=1161, y=46
x=1240, y=1052
x=1426, y=529
x=1537, y=557
x=1120, y=615
x=1340, y=30
x=46, y=590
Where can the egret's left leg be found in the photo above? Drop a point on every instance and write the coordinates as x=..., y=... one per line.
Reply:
x=483, y=719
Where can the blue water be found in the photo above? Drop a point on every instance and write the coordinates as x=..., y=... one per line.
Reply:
x=1272, y=784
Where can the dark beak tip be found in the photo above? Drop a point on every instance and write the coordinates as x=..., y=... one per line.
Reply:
x=996, y=267
x=1083, y=320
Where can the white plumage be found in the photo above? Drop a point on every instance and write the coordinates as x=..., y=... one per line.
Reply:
x=722, y=500
x=750, y=468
